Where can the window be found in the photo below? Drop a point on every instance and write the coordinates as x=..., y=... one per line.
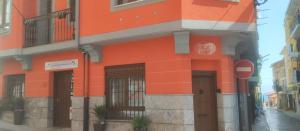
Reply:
x=15, y=86
x=5, y=14
x=125, y=4
x=125, y=90
x=121, y=2
x=233, y=0
x=298, y=45
x=297, y=76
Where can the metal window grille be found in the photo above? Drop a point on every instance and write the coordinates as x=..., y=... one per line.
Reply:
x=15, y=86
x=125, y=91
x=54, y=27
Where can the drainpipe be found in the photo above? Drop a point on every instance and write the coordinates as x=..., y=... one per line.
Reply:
x=85, y=68
x=86, y=93
x=239, y=104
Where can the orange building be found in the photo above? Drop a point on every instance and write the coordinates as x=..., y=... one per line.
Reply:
x=169, y=60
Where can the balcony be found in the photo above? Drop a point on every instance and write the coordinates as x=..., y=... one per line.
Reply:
x=55, y=27
x=294, y=55
x=295, y=28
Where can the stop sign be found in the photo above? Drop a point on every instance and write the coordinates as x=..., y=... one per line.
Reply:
x=244, y=69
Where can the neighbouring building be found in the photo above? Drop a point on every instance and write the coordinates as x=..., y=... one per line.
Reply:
x=170, y=60
x=272, y=99
x=292, y=54
x=280, y=85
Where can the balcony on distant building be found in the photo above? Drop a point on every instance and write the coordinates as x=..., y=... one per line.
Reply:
x=294, y=55
x=295, y=26
x=54, y=27
x=293, y=52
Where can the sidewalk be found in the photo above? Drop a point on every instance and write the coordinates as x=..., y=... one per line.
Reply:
x=10, y=127
x=291, y=114
x=279, y=121
x=260, y=124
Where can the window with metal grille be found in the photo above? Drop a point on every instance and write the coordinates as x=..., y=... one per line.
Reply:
x=5, y=15
x=125, y=91
x=15, y=86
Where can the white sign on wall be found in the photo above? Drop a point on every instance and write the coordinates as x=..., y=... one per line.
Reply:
x=206, y=48
x=59, y=65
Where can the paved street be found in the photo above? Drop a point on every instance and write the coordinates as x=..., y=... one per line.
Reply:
x=260, y=124
x=280, y=122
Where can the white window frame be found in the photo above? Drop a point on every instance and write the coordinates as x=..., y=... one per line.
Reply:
x=5, y=27
x=115, y=7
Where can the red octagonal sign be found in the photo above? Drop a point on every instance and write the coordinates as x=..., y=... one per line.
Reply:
x=244, y=69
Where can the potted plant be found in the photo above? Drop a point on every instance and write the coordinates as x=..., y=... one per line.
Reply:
x=18, y=111
x=140, y=123
x=100, y=113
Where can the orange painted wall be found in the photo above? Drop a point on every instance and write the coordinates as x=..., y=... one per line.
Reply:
x=14, y=38
x=97, y=17
x=166, y=72
x=217, y=62
x=11, y=67
x=60, y=5
x=218, y=10
x=227, y=75
x=44, y=85
x=38, y=82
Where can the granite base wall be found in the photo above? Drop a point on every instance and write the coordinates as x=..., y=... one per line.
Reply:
x=170, y=112
x=166, y=113
x=228, y=114
x=39, y=112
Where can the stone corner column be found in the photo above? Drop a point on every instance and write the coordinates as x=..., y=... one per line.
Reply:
x=170, y=112
x=227, y=99
x=77, y=113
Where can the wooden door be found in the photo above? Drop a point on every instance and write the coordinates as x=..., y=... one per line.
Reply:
x=62, y=98
x=205, y=105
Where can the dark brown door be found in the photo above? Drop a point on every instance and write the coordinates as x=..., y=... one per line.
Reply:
x=205, y=105
x=62, y=98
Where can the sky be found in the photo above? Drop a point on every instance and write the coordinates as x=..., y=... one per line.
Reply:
x=271, y=37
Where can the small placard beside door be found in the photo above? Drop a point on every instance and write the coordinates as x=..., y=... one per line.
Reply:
x=59, y=65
